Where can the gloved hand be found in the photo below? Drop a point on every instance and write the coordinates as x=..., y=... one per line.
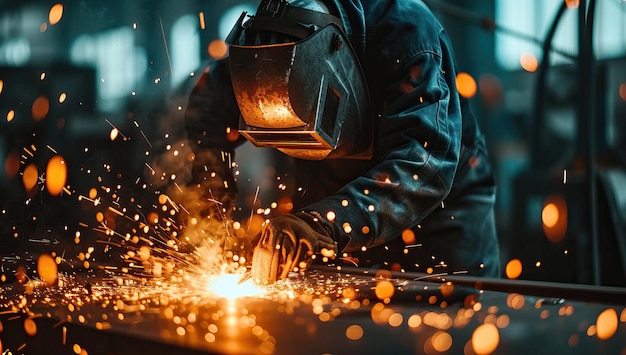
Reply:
x=288, y=242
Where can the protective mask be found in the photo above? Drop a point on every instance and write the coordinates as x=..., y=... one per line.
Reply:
x=306, y=97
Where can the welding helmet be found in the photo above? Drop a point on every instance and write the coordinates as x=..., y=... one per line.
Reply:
x=299, y=84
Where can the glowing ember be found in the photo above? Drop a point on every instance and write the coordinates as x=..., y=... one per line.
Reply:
x=201, y=19
x=113, y=134
x=10, y=115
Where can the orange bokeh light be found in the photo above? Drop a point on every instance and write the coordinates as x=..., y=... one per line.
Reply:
x=55, y=14
x=30, y=327
x=466, y=85
x=381, y=314
x=607, y=324
x=529, y=62
x=441, y=341
x=217, y=49
x=29, y=177
x=515, y=301
x=153, y=218
x=47, y=269
x=10, y=115
x=550, y=215
x=408, y=236
x=384, y=289
x=354, y=332
x=485, y=339
x=285, y=205
x=232, y=134
x=40, y=108
x=514, y=269
x=93, y=193
x=12, y=164
x=622, y=91
x=56, y=175
x=554, y=218
x=491, y=90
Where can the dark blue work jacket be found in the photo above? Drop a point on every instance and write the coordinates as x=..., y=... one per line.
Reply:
x=425, y=201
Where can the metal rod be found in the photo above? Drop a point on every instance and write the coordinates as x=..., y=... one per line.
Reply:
x=586, y=126
x=576, y=292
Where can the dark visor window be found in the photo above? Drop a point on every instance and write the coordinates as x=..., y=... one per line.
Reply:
x=329, y=114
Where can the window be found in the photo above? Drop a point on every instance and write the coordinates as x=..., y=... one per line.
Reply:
x=534, y=17
x=185, y=48
x=119, y=64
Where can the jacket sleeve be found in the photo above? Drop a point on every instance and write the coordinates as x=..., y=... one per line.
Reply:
x=211, y=120
x=419, y=137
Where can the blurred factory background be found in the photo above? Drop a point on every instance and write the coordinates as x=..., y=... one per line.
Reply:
x=104, y=84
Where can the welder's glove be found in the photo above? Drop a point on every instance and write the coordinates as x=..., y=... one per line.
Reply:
x=287, y=243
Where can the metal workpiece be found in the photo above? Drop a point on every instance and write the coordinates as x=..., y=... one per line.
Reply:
x=317, y=312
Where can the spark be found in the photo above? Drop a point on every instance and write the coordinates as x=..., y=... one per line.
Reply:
x=155, y=269
x=143, y=134
x=115, y=129
x=43, y=241
x=350, y=261
x=95, y=202
x=167, y=52
x=201, y=18
x=29, y=152
x=149, y=167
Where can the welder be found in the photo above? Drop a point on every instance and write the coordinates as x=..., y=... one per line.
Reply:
x=360, y=97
